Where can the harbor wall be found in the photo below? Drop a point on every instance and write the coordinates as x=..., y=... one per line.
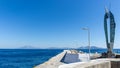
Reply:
x=98, y=63
x=115, y=64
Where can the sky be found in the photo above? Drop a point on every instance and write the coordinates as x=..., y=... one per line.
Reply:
x=55, y=23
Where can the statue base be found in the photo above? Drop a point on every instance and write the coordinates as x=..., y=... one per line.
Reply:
x=108, y=55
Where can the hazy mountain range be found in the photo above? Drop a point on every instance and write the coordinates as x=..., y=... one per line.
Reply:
x=27, y=47
x=91, y=47
x=82, y=47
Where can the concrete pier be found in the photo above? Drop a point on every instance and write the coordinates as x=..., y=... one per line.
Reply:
x=70, y=59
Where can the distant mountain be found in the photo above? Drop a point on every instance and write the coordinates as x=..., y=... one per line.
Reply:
x=27, y=47
x=82, y=47
x=60, y=48
x=91, y=47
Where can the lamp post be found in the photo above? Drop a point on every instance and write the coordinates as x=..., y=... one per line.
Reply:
x=88, y=30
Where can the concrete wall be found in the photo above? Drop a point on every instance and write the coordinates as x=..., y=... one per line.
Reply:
x=90, y=64
x=98, y=63
x=115, y=64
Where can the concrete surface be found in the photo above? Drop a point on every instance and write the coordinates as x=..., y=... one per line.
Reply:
x=67, y=55
x=98, y=63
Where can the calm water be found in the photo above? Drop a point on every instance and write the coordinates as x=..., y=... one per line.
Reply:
x=28, y=58
x=21, y=58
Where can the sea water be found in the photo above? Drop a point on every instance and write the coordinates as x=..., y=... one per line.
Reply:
x=28, y=58
x=25, y=58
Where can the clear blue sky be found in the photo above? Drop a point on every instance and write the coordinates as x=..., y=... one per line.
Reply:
x=54, y=23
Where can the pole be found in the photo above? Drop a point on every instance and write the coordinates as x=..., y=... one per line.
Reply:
x=88, y=30
x=89, y=42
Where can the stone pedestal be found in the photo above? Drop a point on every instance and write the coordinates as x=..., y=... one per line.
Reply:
x=108, y=55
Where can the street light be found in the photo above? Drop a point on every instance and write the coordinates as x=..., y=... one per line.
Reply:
x=88, y=30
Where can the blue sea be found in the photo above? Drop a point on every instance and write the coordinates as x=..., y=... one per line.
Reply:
x=28, y=58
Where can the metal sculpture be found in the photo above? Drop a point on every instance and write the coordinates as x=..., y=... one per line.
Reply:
x=109, y=43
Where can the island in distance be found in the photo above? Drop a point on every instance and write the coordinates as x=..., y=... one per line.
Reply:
x=91, y=47
x=28, y=47
x=82, y=47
